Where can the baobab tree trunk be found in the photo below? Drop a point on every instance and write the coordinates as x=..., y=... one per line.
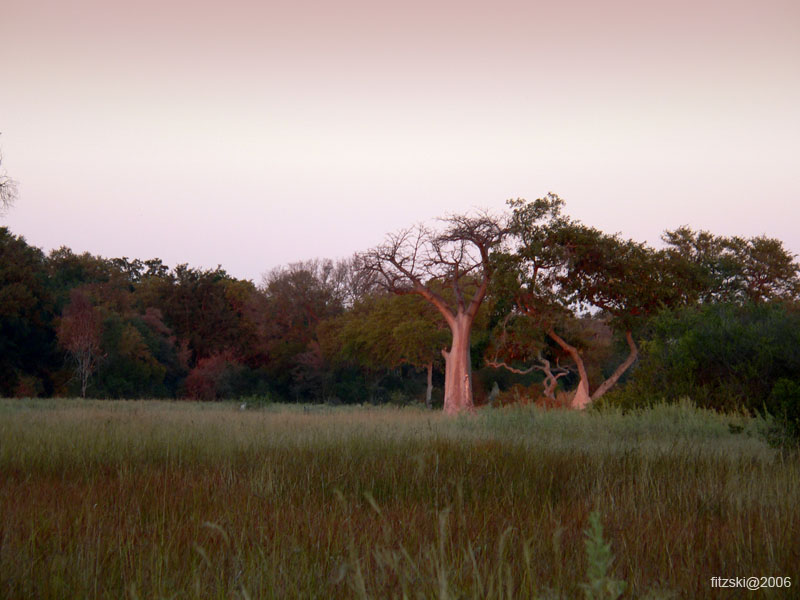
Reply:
x=458, y=368
x=429, y=391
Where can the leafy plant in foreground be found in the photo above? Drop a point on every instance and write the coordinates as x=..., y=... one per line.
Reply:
x=600, y=558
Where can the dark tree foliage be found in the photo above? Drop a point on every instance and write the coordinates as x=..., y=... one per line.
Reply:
x=560, y=268
x=67, y=271
x=720, y=355
x=299, y=297
x=733, y=269
x=197, y=308
x=27, y=336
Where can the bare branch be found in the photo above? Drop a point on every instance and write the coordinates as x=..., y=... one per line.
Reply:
x=504, y=365
x=8, y=190
x=420, y=261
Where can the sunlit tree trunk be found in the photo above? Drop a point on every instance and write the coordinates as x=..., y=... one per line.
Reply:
x=419, y=261
x=611, y=381
x=581, y=398
x=458, y=368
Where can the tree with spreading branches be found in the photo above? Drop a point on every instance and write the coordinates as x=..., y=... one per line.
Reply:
x=425, y=262
x=560, y=268
x=733, y=269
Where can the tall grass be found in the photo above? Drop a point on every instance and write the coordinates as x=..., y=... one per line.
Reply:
x=174, y=500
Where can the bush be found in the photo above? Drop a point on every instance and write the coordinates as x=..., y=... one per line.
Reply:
x=722, y=356
x=221, y=376
x=784, y=406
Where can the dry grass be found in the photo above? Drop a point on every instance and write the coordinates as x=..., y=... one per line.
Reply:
x=174, y=500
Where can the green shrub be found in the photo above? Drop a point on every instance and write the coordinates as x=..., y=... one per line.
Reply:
x=784, y=406
x=722, y=356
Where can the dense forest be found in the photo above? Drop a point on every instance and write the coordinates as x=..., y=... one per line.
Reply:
x=527, y=306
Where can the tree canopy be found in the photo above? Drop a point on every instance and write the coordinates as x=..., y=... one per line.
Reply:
x=472, y=303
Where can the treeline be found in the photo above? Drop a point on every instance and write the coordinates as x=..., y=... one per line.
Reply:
x=78, y=324
x=558, y=312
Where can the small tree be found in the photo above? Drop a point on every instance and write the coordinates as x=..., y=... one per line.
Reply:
x=79, y=334
x=424, y=262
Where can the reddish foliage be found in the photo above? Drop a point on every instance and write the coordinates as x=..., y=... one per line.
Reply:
x=207, y=380
x=79, y=334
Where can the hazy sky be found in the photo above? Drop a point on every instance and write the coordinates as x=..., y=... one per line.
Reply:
x=256, y=134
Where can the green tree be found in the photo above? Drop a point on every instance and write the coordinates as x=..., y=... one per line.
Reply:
x=129, y=369
x=387, y=331
x=560, y=268
x=733, y=269
x=299, y=297
x=27, y=339
x=67, y=271
x=625, y=280
x=721, y=355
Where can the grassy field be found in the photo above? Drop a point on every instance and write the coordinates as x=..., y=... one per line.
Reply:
x=184, y=500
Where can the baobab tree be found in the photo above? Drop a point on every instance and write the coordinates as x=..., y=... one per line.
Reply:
x=451, y=269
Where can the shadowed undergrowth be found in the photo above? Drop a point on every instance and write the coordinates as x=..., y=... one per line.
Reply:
x=150, y=499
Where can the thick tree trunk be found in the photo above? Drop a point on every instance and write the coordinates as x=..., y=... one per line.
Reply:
x=611, y=381
x=581, y=398
x=429, y=391
x=458, y=368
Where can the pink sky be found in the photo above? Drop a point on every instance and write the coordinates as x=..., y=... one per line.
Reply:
x=252, y=135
